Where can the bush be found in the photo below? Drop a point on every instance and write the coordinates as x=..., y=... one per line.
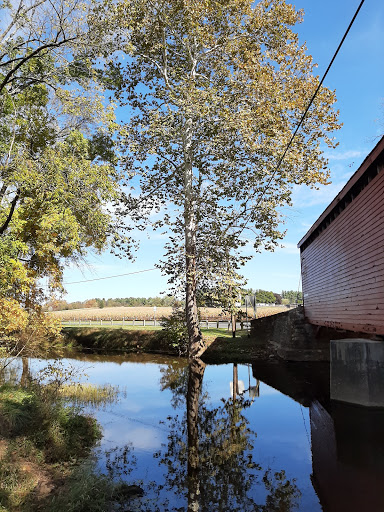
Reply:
x=175, y=331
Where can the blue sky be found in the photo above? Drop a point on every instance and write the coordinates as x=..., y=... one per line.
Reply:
x=357, y=76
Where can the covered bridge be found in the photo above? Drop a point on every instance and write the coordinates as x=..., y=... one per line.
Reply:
x=342, y=255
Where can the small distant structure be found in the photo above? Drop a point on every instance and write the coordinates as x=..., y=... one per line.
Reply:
x=342, y=255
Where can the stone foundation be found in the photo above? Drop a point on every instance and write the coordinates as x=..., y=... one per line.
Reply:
x=291, y=336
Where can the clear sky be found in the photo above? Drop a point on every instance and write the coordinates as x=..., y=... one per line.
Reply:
x=357, y=76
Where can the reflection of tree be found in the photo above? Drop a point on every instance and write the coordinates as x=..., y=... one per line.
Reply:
x=195, y=381
x=209, y=453
x=175, y=378
x=120, y=461
x=283, y=494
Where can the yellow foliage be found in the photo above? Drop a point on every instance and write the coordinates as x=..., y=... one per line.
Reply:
x=13, y=317
x=41, y=328
x=29, y=326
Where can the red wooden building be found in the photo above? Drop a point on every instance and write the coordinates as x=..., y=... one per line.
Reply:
x=342, y=255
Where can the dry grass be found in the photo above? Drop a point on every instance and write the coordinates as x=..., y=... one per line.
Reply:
x=147, y=313
x=129, y=313
x=88, y=394
x=263, y=311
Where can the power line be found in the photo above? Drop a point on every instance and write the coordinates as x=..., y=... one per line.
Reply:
x=315, y=93
x=286, y=149
x=111, y=277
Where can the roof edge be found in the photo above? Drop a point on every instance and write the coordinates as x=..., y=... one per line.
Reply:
x=372, y=156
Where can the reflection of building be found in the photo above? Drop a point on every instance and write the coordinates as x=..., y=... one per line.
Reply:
x=239, y=388
x=346, y=441
x=348, y=457
x=254, y=391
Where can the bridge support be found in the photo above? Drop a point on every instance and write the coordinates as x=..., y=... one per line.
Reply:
x=357, y=371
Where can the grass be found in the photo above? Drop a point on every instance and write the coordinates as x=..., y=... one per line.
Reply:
x=90, y=491
x=41, y=445
x=112, y=339
x=41, y=440
x=222, y=333
x=81, y=394
x=131, y=339
x=125, y=327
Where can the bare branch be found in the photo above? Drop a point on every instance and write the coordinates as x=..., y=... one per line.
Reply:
x=31, y=56
x=11, y=212
x=20, y=13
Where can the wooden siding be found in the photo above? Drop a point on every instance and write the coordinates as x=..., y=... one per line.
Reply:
x=343, y=267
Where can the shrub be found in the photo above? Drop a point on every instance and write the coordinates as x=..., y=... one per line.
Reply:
x=175, y=331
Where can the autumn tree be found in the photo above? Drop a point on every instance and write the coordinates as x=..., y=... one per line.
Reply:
x=57, y=159
x=213, y=91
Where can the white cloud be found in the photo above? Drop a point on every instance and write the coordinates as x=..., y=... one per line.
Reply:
x=142, y=438
x=303, y=197
x=344, y=155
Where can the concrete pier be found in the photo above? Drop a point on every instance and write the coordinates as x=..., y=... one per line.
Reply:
x=357, y=371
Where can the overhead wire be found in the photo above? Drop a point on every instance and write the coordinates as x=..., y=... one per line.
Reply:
x=110, y=277
x=312, y=99
x=285, y=151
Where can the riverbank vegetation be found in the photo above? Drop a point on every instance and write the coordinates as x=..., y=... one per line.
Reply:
x=138, y=340
x=42, y=440
x=46, y=439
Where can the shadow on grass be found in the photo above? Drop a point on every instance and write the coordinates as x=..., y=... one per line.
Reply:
x=41, y=438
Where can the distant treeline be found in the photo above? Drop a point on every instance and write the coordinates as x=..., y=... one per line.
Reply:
x=292, y=297
x=267, y=297
x=262, y=297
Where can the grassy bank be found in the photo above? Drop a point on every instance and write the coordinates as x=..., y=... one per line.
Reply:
x=45, y=445
x=117, y=339
x=41, y=441
x=130, y=339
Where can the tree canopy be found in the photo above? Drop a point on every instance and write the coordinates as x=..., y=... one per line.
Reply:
x=58, y=175
x=215, y=89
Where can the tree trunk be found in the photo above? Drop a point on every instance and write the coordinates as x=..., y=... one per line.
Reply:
x=196, y=345
x=195, y=380
x=26, y=374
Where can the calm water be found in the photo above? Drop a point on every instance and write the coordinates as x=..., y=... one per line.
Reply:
x=233, y=438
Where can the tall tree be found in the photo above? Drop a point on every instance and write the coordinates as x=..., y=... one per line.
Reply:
x=216, y=88
x=57, y=160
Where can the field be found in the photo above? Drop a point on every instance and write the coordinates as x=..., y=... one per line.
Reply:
x=147, y=313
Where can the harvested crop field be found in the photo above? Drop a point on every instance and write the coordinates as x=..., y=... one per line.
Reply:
x=147, y=313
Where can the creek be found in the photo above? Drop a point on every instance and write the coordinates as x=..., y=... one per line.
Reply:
x=262, y=437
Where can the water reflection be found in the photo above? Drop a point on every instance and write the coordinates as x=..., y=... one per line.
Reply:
x=347, y=441
x=210, y=451
x=233, y=438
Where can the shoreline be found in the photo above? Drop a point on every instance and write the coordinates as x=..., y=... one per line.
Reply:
x=221, y=349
